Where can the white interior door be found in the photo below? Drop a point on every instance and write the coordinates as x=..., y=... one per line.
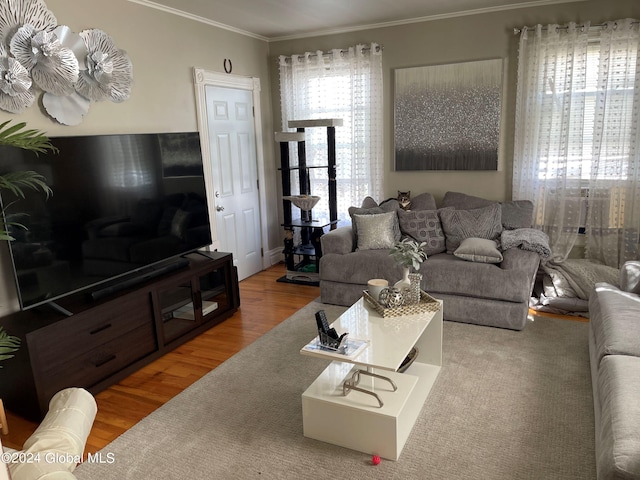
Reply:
x=232, y=147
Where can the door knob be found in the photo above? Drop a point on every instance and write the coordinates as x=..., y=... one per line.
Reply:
x=219, y=208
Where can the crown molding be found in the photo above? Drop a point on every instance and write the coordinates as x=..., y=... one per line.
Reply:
x=197, y=18
x=335, y=31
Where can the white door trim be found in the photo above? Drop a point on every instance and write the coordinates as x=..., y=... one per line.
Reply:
x=202, y=79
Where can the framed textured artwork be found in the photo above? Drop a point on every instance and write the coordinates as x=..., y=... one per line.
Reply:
x=447, y=117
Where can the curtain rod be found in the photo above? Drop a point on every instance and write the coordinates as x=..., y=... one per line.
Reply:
x=517, y=31
x=365, y=48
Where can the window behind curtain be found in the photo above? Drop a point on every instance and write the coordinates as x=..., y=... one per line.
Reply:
x=577, y=139
x=345, y=84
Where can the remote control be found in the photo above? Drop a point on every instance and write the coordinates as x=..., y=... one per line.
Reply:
x=321, y=320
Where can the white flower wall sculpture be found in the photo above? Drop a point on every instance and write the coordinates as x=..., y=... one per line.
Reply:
x=16, y=93
x=109, y=73
x=53, y=67
x=71, y=69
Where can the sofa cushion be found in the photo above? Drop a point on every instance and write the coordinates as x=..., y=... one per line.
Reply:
x=360, y=267
x=462, y=201
x=482, y=222
x=423, y=226
x=376, y=231
x=443, y=273
x=615, y=321
x=368, y=202
x=618, y=452
x=479, y=250
x=630, y=277
x=515, y=214
x=424, y=201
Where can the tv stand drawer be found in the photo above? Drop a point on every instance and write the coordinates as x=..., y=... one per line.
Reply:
x=88, y=330
x=93, y=366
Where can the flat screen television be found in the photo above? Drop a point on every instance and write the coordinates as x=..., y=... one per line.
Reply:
x=122, y=205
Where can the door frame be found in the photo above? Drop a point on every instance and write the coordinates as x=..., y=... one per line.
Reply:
x=202, y=79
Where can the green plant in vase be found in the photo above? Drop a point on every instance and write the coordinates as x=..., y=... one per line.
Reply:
x=408, y=253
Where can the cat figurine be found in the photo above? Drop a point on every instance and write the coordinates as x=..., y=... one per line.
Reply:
x=404, y=199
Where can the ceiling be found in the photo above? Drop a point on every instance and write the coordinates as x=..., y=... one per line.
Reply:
x=285, y=19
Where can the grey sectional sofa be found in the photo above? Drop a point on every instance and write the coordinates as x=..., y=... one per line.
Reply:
x=493, y=294
x=614, y=348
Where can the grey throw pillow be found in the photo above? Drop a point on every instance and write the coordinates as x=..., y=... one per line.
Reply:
x=423, y=226
x=480, y=222
x=375, y=231
x=479, y=250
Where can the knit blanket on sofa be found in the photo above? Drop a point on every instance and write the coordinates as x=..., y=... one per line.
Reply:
x=578, y=277
x=527, y=239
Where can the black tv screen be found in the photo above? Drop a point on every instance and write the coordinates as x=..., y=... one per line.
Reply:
x=120, y=204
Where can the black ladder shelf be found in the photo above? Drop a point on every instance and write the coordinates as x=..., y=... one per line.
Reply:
x=303, y=260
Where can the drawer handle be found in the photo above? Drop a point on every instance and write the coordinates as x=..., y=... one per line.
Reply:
x=100, y=329
x=105, y=360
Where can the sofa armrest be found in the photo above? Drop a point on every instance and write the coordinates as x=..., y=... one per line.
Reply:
x=518, y=259
x=340, y=241
x=525, y=260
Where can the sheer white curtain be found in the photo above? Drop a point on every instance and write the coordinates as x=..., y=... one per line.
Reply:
x=613, y=224
x=344, y=84
x=576, y=140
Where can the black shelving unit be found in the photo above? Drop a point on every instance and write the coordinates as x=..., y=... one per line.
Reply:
x=303, y=259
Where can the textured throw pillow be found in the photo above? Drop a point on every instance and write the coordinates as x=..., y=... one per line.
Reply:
x=375, y=231
x=479, y=250
x=423, y=226
x=390, y=206
x=480, y=222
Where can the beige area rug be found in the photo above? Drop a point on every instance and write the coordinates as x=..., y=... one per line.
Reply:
x=507, y=405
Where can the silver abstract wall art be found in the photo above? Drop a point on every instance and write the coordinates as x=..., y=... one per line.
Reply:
x=447, y=117
x=71, y=70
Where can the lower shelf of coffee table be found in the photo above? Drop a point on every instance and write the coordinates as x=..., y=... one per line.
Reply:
x=356, y=421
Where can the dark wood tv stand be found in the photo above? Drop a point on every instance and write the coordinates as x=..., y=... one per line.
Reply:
x=106, y=340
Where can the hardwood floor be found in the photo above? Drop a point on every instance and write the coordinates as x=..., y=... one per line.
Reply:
x=264, y=304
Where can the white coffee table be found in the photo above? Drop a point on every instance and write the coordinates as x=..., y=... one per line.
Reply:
x=375, y=424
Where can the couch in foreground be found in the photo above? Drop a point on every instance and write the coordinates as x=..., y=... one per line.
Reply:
x=478, y=282
x=614, y=348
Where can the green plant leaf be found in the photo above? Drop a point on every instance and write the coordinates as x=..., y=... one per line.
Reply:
x=16, y=182
x=29, y=139
x=8, y=344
